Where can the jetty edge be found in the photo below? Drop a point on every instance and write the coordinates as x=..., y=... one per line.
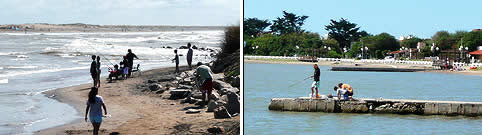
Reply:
x=367, y=105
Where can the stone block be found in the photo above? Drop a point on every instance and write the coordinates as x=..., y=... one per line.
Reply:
x=320, y=105
x=276, y=104
x=443, y=109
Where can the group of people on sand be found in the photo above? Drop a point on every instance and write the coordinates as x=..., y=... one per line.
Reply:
x=188, y=58
x=95, y=103
x=341, y=89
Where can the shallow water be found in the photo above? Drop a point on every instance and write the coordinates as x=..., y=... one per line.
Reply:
x=33, y=63
x=265, y=81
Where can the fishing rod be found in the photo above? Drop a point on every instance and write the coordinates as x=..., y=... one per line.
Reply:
x=299, y=81
x=102, y=56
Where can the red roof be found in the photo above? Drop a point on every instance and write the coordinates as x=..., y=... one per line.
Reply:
x=396, y=52
x=478, y=52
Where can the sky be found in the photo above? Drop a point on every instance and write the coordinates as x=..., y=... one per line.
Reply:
x=421, y=18
x=122, y=12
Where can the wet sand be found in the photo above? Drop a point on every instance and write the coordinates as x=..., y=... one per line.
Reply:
x=133, y=111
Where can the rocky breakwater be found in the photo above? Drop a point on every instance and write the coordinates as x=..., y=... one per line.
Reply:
x=224, y=101
x=394, y=106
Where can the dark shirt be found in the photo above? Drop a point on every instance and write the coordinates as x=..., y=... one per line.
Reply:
x=93, y=67
x=130, y=58
x=317, y=74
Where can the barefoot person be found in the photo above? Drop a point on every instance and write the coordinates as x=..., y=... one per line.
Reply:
x=93, y=70
x=206, y=78
x=130, y=60
x=189, y=55
x=95, y=103
x=316, y=82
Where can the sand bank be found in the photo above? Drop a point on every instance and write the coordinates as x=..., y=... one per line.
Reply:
x=134, y=111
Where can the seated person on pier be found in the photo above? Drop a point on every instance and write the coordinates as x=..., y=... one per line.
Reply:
x=348, y=88
x=115, y=73
x=340, y=92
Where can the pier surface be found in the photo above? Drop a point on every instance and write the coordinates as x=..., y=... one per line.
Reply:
x=365, y=105
x=374, y=69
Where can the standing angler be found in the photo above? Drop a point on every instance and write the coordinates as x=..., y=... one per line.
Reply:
x=189, y=55
x=130, y=60
x=316, y=83
x=93, y=70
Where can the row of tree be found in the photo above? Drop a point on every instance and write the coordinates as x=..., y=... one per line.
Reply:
x=286, y=37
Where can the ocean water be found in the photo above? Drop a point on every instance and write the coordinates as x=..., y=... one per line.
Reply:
x=36, y=62
x=265, y=81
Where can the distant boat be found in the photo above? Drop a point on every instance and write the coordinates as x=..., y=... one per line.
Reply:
x=308, y=59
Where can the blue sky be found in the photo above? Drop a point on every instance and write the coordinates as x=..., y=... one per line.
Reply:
x=134, y=12
x=421, y=18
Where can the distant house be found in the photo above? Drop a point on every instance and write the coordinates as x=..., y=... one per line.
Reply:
x=477, y=53
x=476, y=30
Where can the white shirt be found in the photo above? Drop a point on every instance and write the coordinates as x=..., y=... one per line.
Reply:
x=341, y=91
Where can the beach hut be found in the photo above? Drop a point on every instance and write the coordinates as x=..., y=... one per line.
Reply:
x=476, y=54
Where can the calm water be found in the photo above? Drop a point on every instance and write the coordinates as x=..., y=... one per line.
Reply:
x=32, y=63
x=265, y=81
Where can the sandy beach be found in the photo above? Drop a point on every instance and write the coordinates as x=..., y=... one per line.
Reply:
x=330, y=63
x=135, y=110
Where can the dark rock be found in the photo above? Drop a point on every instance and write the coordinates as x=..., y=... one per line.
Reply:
x=160, y=91
x=151, y=81
x=221, y=113
x=235, y=82
x=183, y=47
x=190, y=100
x=154, y=87
x=225, y=91
x=216, y=130
x=233, y=105
x=197, y=95
x=215, y=104
x=168, y=47
x=179, y=93
x=218, y=84
x=166, y=78
x=194, y=47
x=212, y=105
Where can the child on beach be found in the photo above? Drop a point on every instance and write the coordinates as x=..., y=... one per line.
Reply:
x=176, y=59
x=95, y=103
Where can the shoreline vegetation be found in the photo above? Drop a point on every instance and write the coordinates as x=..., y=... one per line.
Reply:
x=374, y=65
x=285, y=36
x=162, y=102
x=80, y=27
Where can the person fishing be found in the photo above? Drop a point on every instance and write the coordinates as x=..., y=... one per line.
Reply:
x=95, y=103
x=189, y=55
x=124, y=67
x=130, y=60
x=98, y=65
x=93, y=70
x=348, y=88
x=316, y=82
x=205, y=75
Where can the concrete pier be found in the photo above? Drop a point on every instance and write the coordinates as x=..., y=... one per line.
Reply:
x=364, y=105
x=374, y=69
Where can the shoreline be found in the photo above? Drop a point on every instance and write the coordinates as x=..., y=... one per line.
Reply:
x=325, y=63
x=133, y=111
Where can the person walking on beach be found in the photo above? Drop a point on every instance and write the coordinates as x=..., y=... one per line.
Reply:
x=348, y=88
x=130, y=61
x=176, y=59
x=189, y=55
x=95, y=103
x=98, y=71
x=316, y=82
x=205, y=75
x=93, y=70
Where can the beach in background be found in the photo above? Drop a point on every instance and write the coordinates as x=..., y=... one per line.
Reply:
x=37, y=62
